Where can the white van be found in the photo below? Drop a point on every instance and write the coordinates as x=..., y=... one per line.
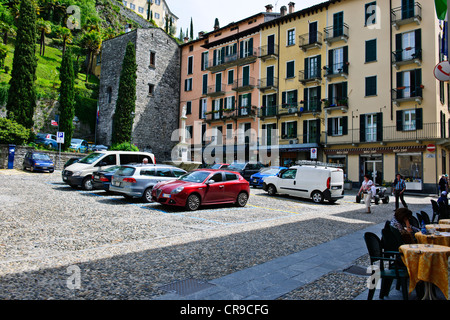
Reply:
x=308, y=181
x=80, y=173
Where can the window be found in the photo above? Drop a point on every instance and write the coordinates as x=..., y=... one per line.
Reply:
x=141, y=10
x=229, y=103
x=203, y=108
x=230, y=176
x=205, y=63
x=230, y=76
x=370, y=13
x=178, y=173
x=312, y=99
x=132, y=6
x=188, y=107
x=188, y=84
x=311, y=131
x=109, y=94
x=410, y=165
x=246, y=48
x=289, y=99
x=245, y=104
x=338, y=126
x=313, y=67
x=290, y=69
x=409, y=84
x=289, y=174
x=217, y=108
x=371, y=50
x=289, y=130
x=164, y=172
x=371, y=86
x=291, y=37
x=371, y=128
x=205, y=84
x=217, y=177
x=229, y=131
x=190, y=65
x=151, y=89
x=152, y=59
x=409, y=120
x=157, y=16
x=148, y=172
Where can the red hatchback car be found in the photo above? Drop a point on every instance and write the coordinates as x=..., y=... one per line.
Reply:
x=203, y=187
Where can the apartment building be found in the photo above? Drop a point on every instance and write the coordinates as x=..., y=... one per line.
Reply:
x=350, y=79
x=159, y=11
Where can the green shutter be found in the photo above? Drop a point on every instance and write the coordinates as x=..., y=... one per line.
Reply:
x=419, y=119
x=379, y=126
x=345, y=125
x=399, y=115
x=362, y=128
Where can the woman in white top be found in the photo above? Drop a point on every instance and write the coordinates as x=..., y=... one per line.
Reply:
x=366, y=188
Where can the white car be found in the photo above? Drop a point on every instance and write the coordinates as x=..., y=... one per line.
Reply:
x=308, y=181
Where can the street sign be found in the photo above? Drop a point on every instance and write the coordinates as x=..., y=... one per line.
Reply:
x=60, y=137
x=313, y=153
x=431, y=147
x=442, y=71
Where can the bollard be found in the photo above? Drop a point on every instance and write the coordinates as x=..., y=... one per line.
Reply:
x=11, y=152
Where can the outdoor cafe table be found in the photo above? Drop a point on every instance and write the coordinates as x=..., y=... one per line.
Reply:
x=444, y=221
x=428, y=263
x=442, y=239
x=439, y=227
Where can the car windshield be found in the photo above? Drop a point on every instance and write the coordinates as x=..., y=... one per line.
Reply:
x=215, y=166
x=125, y=171
x=236, y=166
x=195, y=176
x=270, y=171
x=41, y=156
x=75, y=141
x=91, y=158
x=112, y=169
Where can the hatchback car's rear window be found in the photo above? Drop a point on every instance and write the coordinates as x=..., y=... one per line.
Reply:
x=125, y=171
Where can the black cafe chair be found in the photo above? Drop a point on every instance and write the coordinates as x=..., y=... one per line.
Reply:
x=425, y=217
x=377, y=258
x=435, y=207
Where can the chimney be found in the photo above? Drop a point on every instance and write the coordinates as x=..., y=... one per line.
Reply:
x=269, y=8
x=186, y=39
x=283, y=10
x=200, y=34
x=291, y=7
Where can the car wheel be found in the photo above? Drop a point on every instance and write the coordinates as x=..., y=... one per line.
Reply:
x=271, y=190
x=242, y=199
x=31, y=168
x=193, y=202
x=147, y=196
x=317, y=197
x=87, y=183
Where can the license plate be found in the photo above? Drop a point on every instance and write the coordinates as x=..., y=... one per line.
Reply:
x=255, y=181
x=44, y=168
x=335, y=188
x=166, y=195
x=116, y=183
x=64, y=178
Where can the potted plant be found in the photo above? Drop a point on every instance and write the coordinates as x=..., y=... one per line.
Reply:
x=387, y=185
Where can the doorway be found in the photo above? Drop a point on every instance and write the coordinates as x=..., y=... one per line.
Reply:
x=372, y=166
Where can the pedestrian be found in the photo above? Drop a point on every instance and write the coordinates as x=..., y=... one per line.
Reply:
x=366, y=189
x=443, y=183
x=401, y=221
x=443, y=200
x=399, y=189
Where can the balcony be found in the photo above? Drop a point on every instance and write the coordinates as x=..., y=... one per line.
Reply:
x=268, y=111
x=245, y=84
x=313, y=105
x=405, y=15
x=245, y=112
x=407, y=56
x=215, y=90
x=268, y=52
x=336, y=33
x=337, y=70
x=314, y=75
x=310, y=41
x=290, y=109
x=407, y=94
x=238, y=58
x=336, y=103
x=267, y=84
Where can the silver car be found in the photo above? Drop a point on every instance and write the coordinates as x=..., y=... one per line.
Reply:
x=137, y=181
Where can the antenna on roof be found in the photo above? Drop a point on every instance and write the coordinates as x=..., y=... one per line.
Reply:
x=275, y=5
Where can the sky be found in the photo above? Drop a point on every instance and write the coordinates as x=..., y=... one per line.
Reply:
x=204, y=13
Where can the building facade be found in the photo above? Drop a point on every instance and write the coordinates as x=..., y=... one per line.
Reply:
x=159, y=12
x=157, y=90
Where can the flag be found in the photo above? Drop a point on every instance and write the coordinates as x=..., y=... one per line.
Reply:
x=441, y=9
x=98, y=112
x=444, y=45
x=54, y=123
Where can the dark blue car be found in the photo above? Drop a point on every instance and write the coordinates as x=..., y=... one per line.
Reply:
x=47, y=140
x=38, y=161
x=257, y=179
x=102, y=179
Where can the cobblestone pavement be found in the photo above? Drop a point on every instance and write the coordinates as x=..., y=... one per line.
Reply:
x=50, y=232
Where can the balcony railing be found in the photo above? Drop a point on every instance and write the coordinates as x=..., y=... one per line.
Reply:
x=337, y=70
x=244, y=84
x=268, y=84
x=405, y=15
x=310, y=40
x=311, y=105
x=408, y=93
x=336, y=33
x=310, y=75
x=336, y=103
x=215, y=90
x=232, y=113
x=221, y=63
x=268, y=52
x=268, y=111
x=406, y=56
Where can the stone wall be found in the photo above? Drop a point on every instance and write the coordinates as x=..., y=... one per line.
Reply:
x=20, y=152
x=157, y=114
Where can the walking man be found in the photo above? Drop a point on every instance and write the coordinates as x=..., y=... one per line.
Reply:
x=399, y=189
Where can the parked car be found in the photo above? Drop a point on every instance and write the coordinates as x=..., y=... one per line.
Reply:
x=79, y=145
x=317, y=182
x=71, y=161
x=81, y=173
x=217, y=166
x=102, y=179
x=47, y=140
x=38, y=161
x=137, y=181
x=203, y=187
x=257, y=179
x=245, y=169
x=97, y=147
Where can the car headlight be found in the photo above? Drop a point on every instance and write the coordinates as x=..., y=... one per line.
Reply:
x=177, y=190
x=76, y=174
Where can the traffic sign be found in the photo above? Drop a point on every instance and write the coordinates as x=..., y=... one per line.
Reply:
x=431, y=147
x=60, y=137
x=313, y=153
x=442, y=71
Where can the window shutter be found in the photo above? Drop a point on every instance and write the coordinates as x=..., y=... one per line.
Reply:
x=345, y=125
x=233, y=102
x=283, y=99
x=399, y=115
x=305, y=99
x=330, y=61
x=200, y=108
x=399, y=85
x=215, y=58
x=344, y=90
x=241, y=51
x=418, y=82
x=306, y=75
x=295, y=103
x=398, y=47
x=330, y=127
x=345, y=58
x=318, y=122
x=362, y=128
x=250, y=47
x=379, y=126
x=419, y=119
x=305, y=131
x=283, y=130
x=418, y=42
x=295, y=129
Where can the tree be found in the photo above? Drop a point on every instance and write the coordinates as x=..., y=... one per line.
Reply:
x=149, y=10
x=43, y=27
x=181, y=37
x=192, y=29
x=66, y=98
x=22, y=92
x=66, y=36
x=92, y=42
x=216, y=24
x=126, y=101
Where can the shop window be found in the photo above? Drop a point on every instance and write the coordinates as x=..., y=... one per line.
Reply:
x=410, y=167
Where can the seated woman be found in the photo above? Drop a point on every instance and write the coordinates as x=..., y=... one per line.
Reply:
x=400, y=221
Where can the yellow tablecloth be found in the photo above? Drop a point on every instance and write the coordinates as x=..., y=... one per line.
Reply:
x=427, y=264
x=444, y=221
x=432, y=239
x=439, y=227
